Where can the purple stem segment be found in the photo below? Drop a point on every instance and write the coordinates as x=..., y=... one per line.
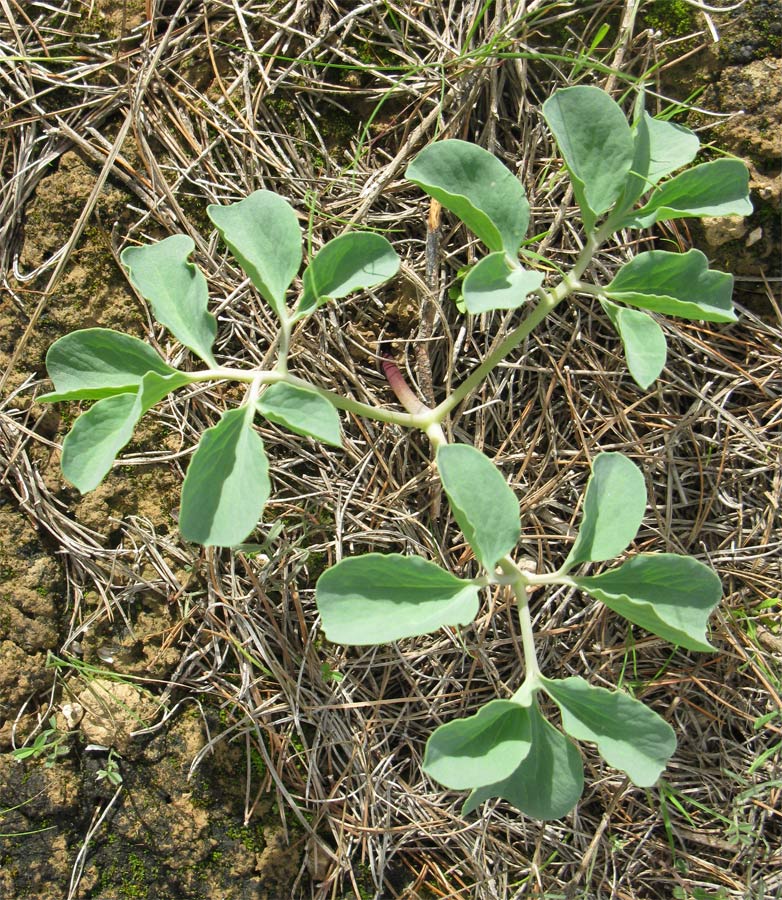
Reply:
x=401, y=388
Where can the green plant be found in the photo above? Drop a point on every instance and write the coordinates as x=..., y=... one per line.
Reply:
x=111, y=771
x=623, y=177
x=50, y=743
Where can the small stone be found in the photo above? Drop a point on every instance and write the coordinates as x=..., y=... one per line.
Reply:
x=719, y=230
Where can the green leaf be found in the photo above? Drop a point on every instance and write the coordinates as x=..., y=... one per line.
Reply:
x=671, y=596
x=549, y=780
x=351, y=262
x=482, y=503
x=613, y=509
x=496, y=284
x=660, y=148
x=176, y=289
x=99, y=362
x=263, y=233
x=474, y=185
x=596, y=143
x=643, y=341
x=98, y=435
x=479, y=749
x=718, y=188
x=301, y=411
x=227, y=483
x=677, y=284
x=629, y=735
x=378, y=598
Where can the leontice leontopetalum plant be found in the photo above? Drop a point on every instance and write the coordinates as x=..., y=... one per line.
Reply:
x=625, y=175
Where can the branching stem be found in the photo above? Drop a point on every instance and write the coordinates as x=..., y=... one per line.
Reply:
x=520, y=586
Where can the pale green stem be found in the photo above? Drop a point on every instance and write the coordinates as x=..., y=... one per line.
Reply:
x=549, y=300
x=520, y=584
x=424, y=418
x=248, y=376
x=285, y=343
x=583, y=287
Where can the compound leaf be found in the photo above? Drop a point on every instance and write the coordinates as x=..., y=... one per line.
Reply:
x=479, y=749
x=494, y=283
x=378, y=598
x=596, y=143
x=549, y=780
x=227, y=483
x=613, y=509
x=717, y=188
x=482, y=503
x=672, y=596
x=262, y=231
x=678, y=284
x=629, y=735
x=350, y=262
x=474, y=185
x=643, y=340
x=99, y=362
x=301, y=411
x=176, y=289
x=98, y=435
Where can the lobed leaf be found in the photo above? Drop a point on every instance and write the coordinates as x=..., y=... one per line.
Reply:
x=378, y=598
x=596, y=143
x=643, y=340
x=350, y=262
x=262, y=231
x=98, y=435
x=479, y=749
x=227, y=483
x=474, y=185
x=98, y=362
x=660, y=148
x=481, y=501
x=301, y=411
x=549, y=780
x=678, y=284
x=496, y=283
x=613, y=509
x=671, y=596
x=629, y=735
x=176, y=289
x=718, y=188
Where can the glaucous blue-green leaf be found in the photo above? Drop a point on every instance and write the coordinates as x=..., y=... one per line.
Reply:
x=629, y=735
x=479, y=749
x=378, y=598
x=495, y=283
x=677, y=284
x=474, y=185
x=227, y=483
x=176, y=290
x=613, y=509
x=643, y=341
x=98, y=435
x=548, y=782
x=481, y=501
x=301, y=411
x=671, y=596
x=99, y=362
x=262, y=231
x=718, y=188
x=660, y=148
x=596, y=143
x=350, y=262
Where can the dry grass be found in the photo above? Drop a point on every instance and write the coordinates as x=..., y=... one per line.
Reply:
x=326, y=104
